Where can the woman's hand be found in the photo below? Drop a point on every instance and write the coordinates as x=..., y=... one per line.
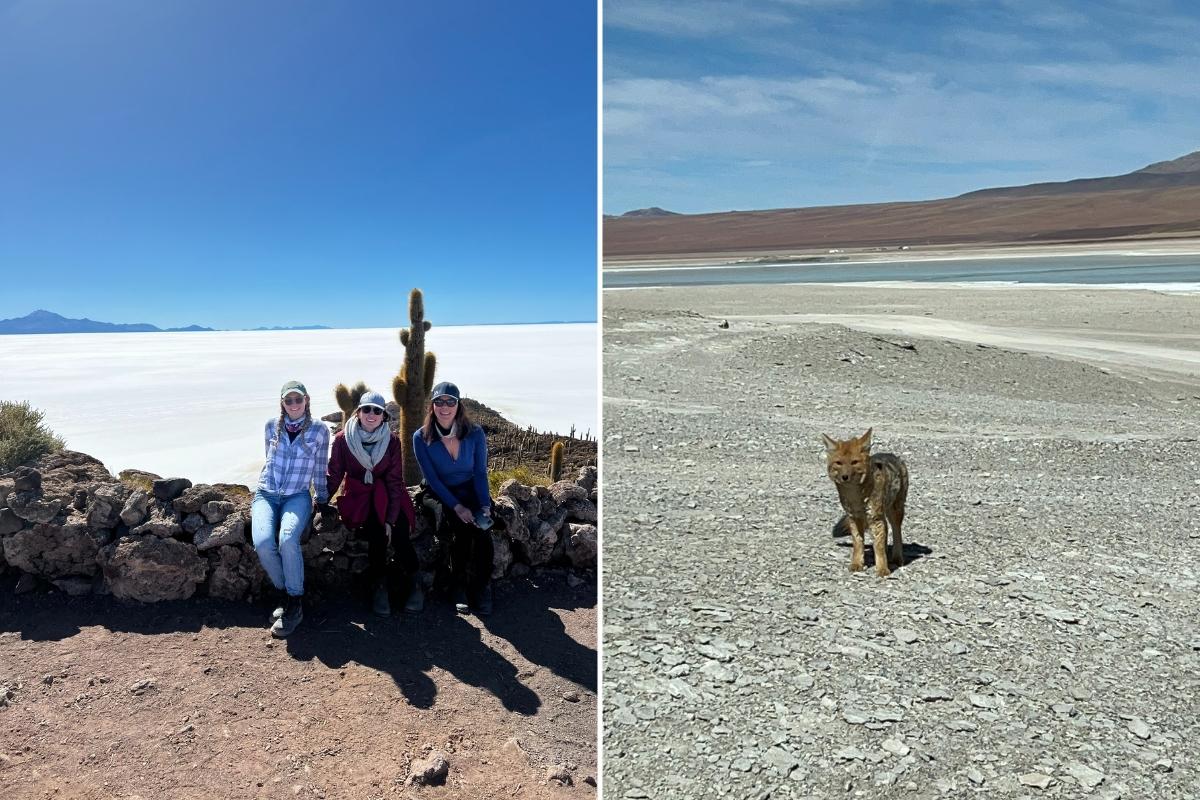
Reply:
x=387, y=529
x=464, y=513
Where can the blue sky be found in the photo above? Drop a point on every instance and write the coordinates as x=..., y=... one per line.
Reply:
x=718, y=105
x=237, y=164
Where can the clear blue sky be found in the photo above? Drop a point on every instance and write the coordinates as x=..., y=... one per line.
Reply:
x=717, y=105
x=236, y=164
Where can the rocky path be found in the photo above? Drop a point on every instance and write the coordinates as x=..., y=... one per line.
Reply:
x=1043, y=641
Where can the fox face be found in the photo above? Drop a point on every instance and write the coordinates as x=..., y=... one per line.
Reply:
x=848, y=462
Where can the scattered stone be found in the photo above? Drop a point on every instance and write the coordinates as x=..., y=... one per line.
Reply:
x=1138, y=727
x=430, y=771
x=906, y=635
x=895, y=747
x=559, y=774
x=1088, y=777
x=1036, y=779
x=141, y=687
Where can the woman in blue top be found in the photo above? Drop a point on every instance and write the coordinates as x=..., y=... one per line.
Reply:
x=297, y=457
x=452, y=453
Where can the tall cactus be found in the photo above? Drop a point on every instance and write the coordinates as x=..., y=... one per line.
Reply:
x=556, y=462
x=412, y=384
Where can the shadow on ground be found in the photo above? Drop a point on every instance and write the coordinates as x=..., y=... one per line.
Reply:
x=339, y=631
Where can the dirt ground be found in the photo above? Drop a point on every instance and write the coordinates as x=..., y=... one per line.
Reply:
x=195, y=699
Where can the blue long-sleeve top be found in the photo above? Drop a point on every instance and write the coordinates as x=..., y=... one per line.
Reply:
x=442, y=472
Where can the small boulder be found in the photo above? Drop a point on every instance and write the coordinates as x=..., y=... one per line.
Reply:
x=29, y=506
x=565, y=491
x=53, y=551
x=581, y=545
x=9, y=522
x=150, y=569
x=194, y=497
x=26, y=479
x=136, y=506
x=559, y=774
x=104, y=508
x=587, y=478
x=231, y=531
x=216, y=511
x=170, y=488
x=430, y=771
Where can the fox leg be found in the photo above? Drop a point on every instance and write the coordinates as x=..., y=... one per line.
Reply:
x=895, y=518
x=856, y=536
x=879, y=534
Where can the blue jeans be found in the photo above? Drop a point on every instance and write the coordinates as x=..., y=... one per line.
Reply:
x=287, y=514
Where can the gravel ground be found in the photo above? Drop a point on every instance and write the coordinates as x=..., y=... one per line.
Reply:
x=1043, y=640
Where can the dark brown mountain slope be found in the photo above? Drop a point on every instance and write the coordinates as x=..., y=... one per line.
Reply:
x=1162, y=200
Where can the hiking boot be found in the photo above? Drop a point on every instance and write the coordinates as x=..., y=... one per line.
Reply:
x=293, y=612
x=380, y=604
x=460, y=601
x=483, y=606
x=415, y=603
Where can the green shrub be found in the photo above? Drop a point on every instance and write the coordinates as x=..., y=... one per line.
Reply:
x=522, y=474
x=23, y=437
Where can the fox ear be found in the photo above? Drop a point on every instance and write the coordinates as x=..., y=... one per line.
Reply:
x=865, y=439
x=830, y=444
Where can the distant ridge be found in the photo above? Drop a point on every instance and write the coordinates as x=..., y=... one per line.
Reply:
x=1183, y=171
x=42, y=321
x=1159, y=200
x=653, y=211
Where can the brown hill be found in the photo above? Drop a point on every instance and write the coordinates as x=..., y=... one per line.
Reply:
x=1162, y=199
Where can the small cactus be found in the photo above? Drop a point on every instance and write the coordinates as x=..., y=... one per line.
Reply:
x=556, y=462
x=412, y=384
x=347, y=398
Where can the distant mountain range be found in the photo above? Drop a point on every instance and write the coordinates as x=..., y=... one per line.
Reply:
x=42, y=321
x=1162, y=199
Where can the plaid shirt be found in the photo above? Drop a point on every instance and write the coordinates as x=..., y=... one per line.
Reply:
x=293, y=466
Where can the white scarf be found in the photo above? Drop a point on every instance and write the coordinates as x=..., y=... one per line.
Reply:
x=368, y=448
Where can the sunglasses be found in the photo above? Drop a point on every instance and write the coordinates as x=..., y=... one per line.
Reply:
x=293, y=401
x=373, y=410
x=445, y=401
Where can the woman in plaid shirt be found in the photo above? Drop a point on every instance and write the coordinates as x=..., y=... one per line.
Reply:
x=297, y=450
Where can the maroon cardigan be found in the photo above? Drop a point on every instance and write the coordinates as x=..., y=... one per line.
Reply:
x=387, y=493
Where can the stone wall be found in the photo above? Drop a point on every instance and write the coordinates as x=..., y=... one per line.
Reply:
x=67, y=520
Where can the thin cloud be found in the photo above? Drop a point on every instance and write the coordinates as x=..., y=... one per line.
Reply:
x=698, y=20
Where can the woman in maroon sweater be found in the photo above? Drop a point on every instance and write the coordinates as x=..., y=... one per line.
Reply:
x=375, y=501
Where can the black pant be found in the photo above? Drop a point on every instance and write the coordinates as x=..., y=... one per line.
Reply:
x=471, y=551
x=398, y=571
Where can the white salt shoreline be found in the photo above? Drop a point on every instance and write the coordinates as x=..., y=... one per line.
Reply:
x=1183, y=247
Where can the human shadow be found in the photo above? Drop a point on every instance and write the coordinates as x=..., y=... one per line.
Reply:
x=525, y=617
x=335, y=632
x=407, y=648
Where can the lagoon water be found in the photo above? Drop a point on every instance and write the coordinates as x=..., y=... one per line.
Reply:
x=194, y=404
x=1179, y=272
